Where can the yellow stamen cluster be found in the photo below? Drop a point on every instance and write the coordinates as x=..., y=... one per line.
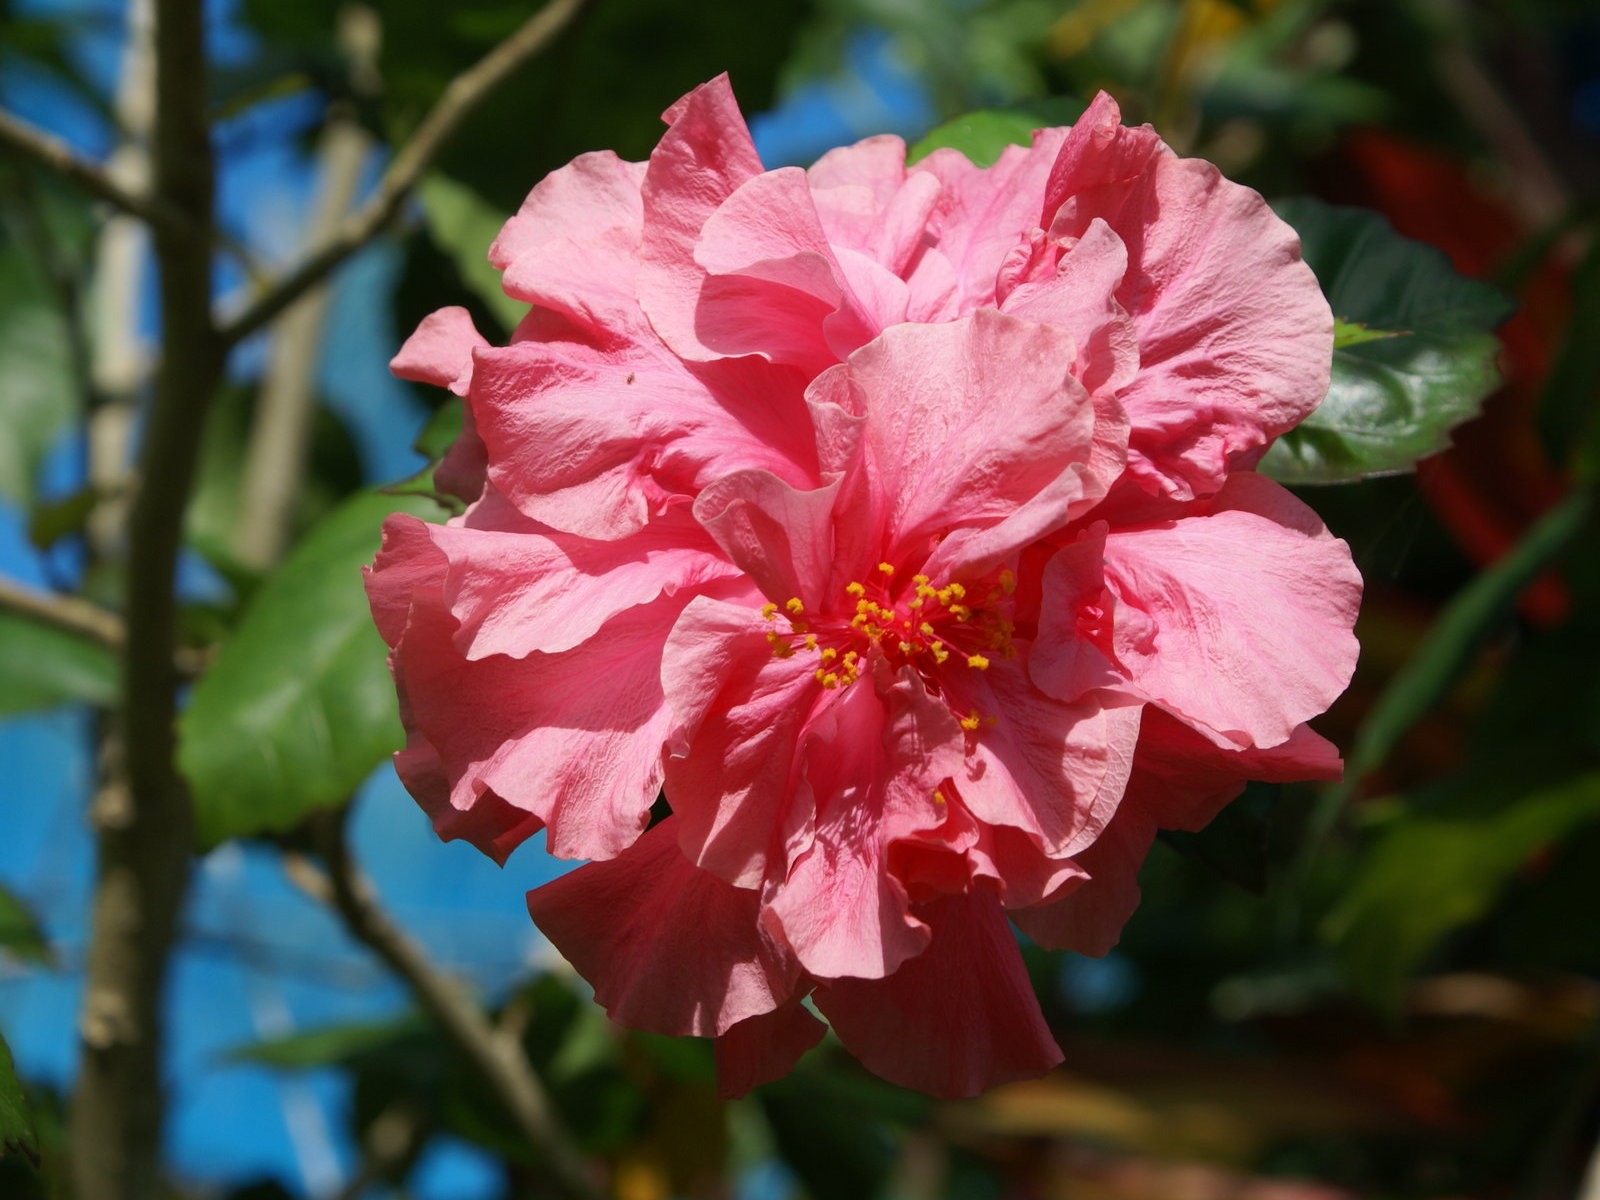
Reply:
x=937, y=624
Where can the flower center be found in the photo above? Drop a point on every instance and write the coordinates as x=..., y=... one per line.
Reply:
x=930, y=626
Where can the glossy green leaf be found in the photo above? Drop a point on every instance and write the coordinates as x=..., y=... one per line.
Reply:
x=1392, y=400
x=41, y=666
x=1440, y=866
x=464, y=225
x=17, y=1134
x=20, y=932
x=299, y=706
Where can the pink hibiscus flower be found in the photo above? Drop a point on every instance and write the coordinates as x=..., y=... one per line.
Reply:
x=926, y=599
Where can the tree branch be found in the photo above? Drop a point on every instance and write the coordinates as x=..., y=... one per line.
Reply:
x=464, y=93
x=51, y=152
x=63, y=612
x=498, y=1058
x=145, y=841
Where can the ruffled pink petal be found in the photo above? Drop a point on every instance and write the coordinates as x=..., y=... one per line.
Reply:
x=582, y=758
x=872, y=765
x=739, y=713
x=573, y=246
x=760, y=1049
x=703, y=157
x=1074, y=653
x=782, y=538
x=955, y=1020
x=985, y=213
x=854, y=184
x=1250, y=611
x=939, y=458
x=440, y=351
x=954, y=856
x=668, y=947
x=1080, y=299
x=1090, y=917
x=595, y=442
x=1179, y=781
x=514, y=591
x=1235, y=338
x=1052, y=769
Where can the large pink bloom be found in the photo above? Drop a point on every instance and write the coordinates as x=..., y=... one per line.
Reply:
x=906, y=544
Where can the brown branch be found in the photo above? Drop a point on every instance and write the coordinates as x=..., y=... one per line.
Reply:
x=461, y=97
x=63, y=612
x=54, y=154
x=497, y=1057
x=145, y=841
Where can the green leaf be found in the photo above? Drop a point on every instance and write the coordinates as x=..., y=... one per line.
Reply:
x=982, y=136
x=1441, y=865
x=299, y=706
x=441, y=431
x=41, y=666
x=37, y=402
x=17, y=1134
x=1352, y=333
x=53, y=520
x=330, y=1046
x=1393, y=400
x=464, y=225
x=1461, y=630
x=20, y=933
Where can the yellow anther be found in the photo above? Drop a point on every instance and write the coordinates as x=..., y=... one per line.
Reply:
x=819, y=674
x=919, y=580
x=850, y=657
x=811, y=641
x=769, y=610
x=793, y=605
x=956, y=590
x=938, y=796
x=908, y=648
x=828, y=653
x=926, y=628
x=1008, y=581
x=978, y=662
x=830, y=680
x=856, y=589
x=886, y=568
x=917, y=603
x=939, y=652
x=971, y=722
x=945, y=595
x=960, y=612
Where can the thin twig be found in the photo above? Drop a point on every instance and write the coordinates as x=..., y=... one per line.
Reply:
x=50, y=151
x=63, y=612
x=461, y=97
x=144, y=841
x=498, y=1059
